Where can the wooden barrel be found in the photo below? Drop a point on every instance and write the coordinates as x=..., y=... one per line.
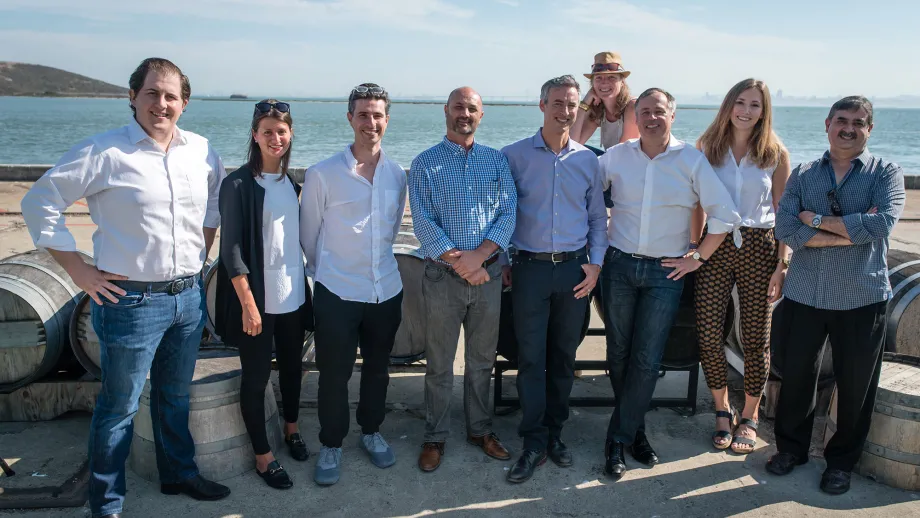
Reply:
x=903, y=334
x=36, y=300
x=222, y=446
x=83, y=338
x=410, y=342
x=891, y=454
x=682, y=349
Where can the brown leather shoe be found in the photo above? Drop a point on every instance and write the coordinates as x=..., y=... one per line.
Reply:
x=491, y=445
x=431, y=455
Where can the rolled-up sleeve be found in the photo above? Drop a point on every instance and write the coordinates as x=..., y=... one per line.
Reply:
x=789, y=228
x=430, y=235
x=77, y=174
x=230, y=206
x=216, y=177
x=722, y=215
x=501, y=231
x=889, y=198
x=597, y=216
x=312, y=207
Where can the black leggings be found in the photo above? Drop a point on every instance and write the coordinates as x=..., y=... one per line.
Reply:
x=256, y=359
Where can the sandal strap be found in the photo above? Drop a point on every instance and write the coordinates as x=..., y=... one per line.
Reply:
x=750, y=423
x=726, y=415
x=744, y=440
x=721, y=434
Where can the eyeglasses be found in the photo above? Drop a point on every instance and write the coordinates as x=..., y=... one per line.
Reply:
x=835, y=204
x=606, y=67
x=267, y=107
x=374, y=90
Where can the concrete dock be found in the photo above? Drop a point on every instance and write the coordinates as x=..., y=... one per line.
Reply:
x=692, y=480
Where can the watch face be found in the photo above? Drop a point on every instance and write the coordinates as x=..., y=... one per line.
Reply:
x=696, y=256
x=816, y=221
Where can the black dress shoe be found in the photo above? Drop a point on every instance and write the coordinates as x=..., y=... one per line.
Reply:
x=275, y=476
x=835, y=481
x=559, y=453
x=615, y=460
x=783, y=463
x=198, y=488
x=642, y=451
x=116, y=515
x=297, y=447
x=525, y=466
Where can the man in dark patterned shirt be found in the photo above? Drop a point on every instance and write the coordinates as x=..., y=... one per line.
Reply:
x=836, y=215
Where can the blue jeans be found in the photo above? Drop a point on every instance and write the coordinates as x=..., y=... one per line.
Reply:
x=640, y=304
x=144, y=331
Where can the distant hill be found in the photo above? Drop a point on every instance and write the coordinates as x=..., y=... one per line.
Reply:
x=41, y=81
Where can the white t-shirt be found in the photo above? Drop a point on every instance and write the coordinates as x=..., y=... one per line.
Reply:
x=282, y=256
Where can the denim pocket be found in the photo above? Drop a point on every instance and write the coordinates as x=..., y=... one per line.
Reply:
x=433, y=273
x=131, y=299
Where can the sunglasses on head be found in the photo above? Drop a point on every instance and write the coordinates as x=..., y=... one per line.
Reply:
x=374, y=90
x=267, y=107
x=606, y=67
x=835, y=204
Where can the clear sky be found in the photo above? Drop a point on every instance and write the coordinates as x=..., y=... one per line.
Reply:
x=301, y=48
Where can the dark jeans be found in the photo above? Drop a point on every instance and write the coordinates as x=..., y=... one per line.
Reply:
x=287, y=332
x=144, y=331
x=547, y=322
x=341, y=327
x=857, y=338
x=640, y=303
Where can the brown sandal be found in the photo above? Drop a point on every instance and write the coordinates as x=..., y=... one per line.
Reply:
x=732, y=416
x=741, y=440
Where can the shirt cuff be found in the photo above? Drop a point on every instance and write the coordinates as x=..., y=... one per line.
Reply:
x=801, y=236
x=855, y=228
x=441, y=246
x=719, y=227
x=60, y=241
x=212, y=219
x=596, y=255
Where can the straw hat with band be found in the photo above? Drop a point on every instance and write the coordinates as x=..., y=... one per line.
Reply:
x=608, y=63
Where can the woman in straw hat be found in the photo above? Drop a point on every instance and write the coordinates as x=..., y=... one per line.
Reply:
x=753, y=164
x=607, y=104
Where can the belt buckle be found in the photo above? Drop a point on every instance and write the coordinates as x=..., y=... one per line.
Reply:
x=177, y=287
x=552, y=257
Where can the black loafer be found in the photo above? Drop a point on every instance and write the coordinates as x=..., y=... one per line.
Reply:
x=642, y=451
x=615, y=461
x=835, y=481
x=198, y=488
x=783, y=463
x=275, y=476
x=525, y=466
x=559, y=453
x=297, y=447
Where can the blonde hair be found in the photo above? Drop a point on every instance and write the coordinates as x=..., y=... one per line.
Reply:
x=764, y=147
x=596, y=113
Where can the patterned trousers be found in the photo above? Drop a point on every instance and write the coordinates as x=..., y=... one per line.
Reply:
x=750, y=268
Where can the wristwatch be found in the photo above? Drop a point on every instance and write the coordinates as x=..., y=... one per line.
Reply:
x=784, y=262
x=697, y=257
x=584, y=106
x=816, y=221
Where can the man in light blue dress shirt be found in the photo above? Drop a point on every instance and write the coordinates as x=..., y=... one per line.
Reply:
x=559, y=243
x=463, y=203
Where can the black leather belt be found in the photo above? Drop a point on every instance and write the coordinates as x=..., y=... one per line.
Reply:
x=554, y=257
x=173, y=287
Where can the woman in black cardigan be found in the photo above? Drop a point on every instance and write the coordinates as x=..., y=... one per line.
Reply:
x=262, y=293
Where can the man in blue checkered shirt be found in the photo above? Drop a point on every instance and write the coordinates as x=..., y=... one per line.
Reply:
x=836, y=215
x=463, y=204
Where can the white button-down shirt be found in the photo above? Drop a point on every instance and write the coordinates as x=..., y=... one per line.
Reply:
x=348, y=226
x=149, y=206
x=653, y=199
x=751, y=188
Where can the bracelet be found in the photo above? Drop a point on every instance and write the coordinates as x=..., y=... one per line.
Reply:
x=785, y=262
x=694, y=246
x=584, y=106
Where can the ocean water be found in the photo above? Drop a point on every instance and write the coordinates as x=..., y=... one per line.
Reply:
x=40, y=130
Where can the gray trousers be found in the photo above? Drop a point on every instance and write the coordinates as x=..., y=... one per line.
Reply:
x=450, y=301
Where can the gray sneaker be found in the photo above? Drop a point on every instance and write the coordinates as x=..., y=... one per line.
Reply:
x=327, y=466
x=377, y=448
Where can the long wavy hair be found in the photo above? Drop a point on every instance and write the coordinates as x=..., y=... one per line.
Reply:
x=765, y=148
x=596, y=113
x=254, y=159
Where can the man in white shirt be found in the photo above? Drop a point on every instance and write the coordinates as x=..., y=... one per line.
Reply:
x=351, y=209
x=656, y=181
x=152, y=189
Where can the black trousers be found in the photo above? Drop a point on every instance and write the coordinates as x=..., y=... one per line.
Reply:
x=342, y=326
x=857, y=338
x=287, y=331
x=547, y=321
